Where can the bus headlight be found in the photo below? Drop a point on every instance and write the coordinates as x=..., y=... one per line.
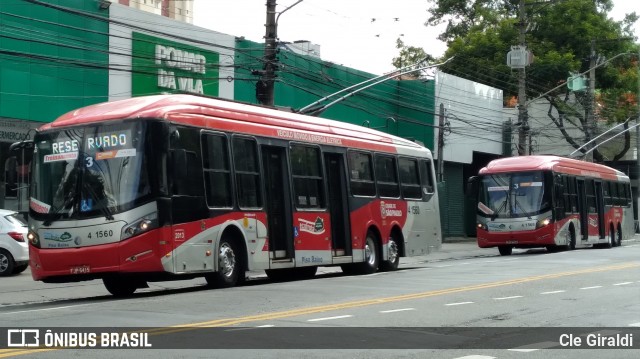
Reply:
x=543, y=223
x=482, y=226
x=32, y=237
x=141, y=225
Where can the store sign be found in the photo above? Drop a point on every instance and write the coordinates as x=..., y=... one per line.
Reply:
x=14, y=131
x=172, y=59
x=163, y=66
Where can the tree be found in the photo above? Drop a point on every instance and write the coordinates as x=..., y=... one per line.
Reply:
x=409, y=55
x=561, y=33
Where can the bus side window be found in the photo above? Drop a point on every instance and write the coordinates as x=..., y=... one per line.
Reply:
x=410, y=178
x=217, y=171
x=387, y=176
x=606, y=190
x=426, y=177
x=248, y=184
x=361, y=174
x=622, y=200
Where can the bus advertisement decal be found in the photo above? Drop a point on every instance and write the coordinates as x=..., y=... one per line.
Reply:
x=61, y=157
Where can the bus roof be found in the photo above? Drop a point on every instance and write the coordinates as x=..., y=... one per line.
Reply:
x=552, y=163
x=170, y=107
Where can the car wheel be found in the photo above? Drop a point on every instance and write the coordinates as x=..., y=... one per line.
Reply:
x=21, y=268
x=6, y=263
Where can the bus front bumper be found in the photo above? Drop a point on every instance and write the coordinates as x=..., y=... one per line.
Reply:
x=540, y=237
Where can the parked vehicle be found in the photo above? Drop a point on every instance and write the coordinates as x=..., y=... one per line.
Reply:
x=14, y=251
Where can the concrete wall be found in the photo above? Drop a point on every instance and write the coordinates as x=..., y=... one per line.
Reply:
x=474, y=112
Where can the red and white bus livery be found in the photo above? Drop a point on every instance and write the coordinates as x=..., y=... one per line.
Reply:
x=552, y=202
x=178, y=186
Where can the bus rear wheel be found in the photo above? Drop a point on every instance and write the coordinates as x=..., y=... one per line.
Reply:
x=505, y=250
x=617, y=238
x=371, y=258
x=392, y=263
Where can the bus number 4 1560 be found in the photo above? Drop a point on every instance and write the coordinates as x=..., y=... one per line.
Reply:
x=101, y=234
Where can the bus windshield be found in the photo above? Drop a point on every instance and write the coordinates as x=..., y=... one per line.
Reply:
x=89, y=171
x=508, y=195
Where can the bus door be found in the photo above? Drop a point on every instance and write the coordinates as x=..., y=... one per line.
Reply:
x=279, y=211
x=600, y=208
x=583, y=210
x=338, y=204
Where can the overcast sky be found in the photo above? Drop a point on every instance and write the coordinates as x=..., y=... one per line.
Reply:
x=356, y=33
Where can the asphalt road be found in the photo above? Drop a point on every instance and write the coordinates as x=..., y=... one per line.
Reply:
x=432, y=302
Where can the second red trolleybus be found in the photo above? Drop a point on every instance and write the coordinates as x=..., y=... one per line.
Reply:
x=552, y=202
x=179, y=186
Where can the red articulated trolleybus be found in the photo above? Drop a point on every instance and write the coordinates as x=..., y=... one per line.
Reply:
x=552, y=202
x=179, y=186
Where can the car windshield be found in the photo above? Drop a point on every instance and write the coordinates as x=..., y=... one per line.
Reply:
x=89, y=171
x=513, y=195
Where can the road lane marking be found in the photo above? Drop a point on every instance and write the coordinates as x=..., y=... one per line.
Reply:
x=505, y=298
x=476, y=357
x=534, y=346
x=265, y=326
x=635, y=324
x=397, y=310
x=376, y=301
x=46, y=309
x=553, y=292
x=225, y=322
x=623, y=283
x=459, y=303
x=594, y=287
x=329, y=318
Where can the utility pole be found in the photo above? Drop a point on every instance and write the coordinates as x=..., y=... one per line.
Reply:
x=264, y=87
x=590, y=121
x=522, y=94
x=637, y=226
x=441, y=144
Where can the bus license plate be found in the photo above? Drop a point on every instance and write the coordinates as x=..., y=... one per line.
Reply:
x=511, y=242
x=80, y=270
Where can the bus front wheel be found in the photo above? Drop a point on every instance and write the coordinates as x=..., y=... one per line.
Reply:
x=230, y=270
x=120, y=287
x=505, y=250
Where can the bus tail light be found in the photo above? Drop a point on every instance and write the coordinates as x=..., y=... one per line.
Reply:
x=543, y=223
x=141, y=225
x=33, y=239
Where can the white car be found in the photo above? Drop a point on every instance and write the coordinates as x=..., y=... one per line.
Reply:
x=14, y=249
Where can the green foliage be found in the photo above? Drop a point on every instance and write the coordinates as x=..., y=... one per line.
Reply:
x=561, y=35
x=409, y=55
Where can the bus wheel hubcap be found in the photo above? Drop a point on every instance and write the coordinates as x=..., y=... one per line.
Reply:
x=227, y=260
x=393, y=251
x=369, y=252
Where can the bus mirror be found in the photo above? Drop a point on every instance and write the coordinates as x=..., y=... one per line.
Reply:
x=22, y=145
x=472, y=186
